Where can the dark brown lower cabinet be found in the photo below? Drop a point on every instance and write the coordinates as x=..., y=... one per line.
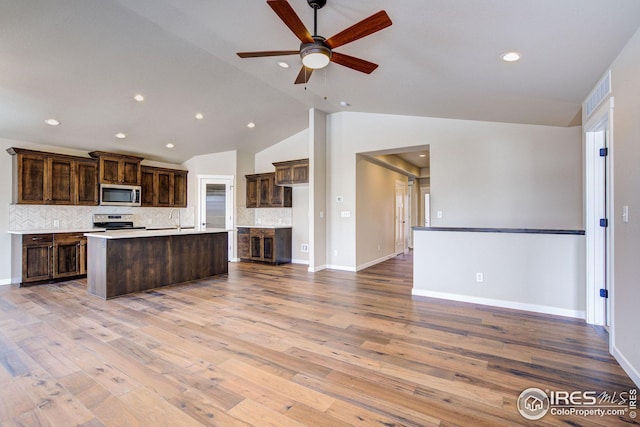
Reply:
x=50, y=256
x=69, y=255
x=271, y=245
x=37, y=257
x=121, y=266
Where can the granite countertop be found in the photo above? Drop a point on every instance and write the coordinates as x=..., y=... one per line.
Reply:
x=501, y=230
x=59, y=230
x=263, y=226
x=119, y=234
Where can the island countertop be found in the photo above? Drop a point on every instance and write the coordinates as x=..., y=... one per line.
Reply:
x=119, y=234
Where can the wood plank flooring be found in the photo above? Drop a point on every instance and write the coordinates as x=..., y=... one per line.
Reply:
x=278, y=346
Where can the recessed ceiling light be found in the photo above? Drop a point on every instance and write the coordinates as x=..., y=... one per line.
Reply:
x=169, y=145
x=345, y=104
x=52, y=122
x=251, y=125
x=120, y=135
x=510, y=56
x=423, y=155
x=199, y=116
x=139, y=98
x=283, y=64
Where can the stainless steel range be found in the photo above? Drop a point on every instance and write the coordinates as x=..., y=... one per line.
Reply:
x=114, y=222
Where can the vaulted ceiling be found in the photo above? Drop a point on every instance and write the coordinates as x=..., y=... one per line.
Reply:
x=82, y=61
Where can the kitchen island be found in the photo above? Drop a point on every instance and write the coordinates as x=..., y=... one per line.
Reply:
x=123, y=262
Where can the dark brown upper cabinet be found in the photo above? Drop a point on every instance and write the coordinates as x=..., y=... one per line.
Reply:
x=118, y=168
x=292, y=172
x=262, y=192
x=47, y=178
x=164, y=187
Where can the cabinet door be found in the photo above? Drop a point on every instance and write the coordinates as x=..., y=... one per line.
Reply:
x=148, y=190
x=252, y=192
x=37, y=257
x=86, y=182
x=109, y=170
x=130, y=172
x=66, y=259
x=300, y=174
x=264, y=191
x=180, y=189
x=165, y=188
x=61, y=181
x=268, y=248
x=256, y=246
x=31, y=180
x=243, y=243
x=283, y=175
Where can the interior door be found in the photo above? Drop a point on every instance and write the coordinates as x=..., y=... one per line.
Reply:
x=598, y=229
x=216, y=204
x=401, y=234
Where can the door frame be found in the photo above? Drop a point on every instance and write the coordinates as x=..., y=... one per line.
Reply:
x=599, y=246
x=228, y=181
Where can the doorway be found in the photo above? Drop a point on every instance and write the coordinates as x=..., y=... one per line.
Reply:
x=216, y=204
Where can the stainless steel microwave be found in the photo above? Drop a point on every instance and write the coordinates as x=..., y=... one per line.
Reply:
x=119, y=195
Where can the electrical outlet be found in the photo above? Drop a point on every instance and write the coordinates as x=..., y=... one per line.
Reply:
x=56, y=223
x=439, y=214
x=304, y=247
x=378, y=247
x=345, y=214
x=335, y=252
x=479, y=277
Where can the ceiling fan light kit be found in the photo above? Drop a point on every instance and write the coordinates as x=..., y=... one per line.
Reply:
x=315, y=51
x=315, y=55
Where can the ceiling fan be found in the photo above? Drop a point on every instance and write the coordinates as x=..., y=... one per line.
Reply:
x=316, y=51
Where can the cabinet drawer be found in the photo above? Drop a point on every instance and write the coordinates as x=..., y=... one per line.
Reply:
x=36, y=239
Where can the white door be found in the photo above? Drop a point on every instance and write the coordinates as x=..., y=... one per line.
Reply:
x=216, y=204
x=598, y=228
x=401, y=230
x=427, y=210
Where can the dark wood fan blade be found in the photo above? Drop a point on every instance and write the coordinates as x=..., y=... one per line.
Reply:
x=267, y=53
x=291, y=19
x=304, y=75
x=370, y=25
x=353, y=62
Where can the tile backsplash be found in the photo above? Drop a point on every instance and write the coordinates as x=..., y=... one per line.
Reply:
x=264, y=216
x=43, y=217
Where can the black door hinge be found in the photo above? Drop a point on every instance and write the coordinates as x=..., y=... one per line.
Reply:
x=604, y=293
x=604, y=152
x=604, y=222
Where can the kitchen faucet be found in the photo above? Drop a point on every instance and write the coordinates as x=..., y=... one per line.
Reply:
x=171, y=212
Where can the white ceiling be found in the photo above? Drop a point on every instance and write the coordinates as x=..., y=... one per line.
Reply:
x=81, y=61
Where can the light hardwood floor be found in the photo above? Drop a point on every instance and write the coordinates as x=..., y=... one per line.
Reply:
x=278, y=346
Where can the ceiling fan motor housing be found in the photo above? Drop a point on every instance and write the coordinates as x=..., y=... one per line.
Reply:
x=317, y=4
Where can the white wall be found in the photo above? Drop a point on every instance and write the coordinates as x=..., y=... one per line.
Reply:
x=625, y=80
x=536, y=272
x=483, y=174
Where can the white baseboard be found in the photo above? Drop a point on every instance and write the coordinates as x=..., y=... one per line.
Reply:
x=626, y=365
x=341, y=267
x=300, y=261
x=578, y=314
x=5, y=282
x=375, y=261
x=318, y=268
